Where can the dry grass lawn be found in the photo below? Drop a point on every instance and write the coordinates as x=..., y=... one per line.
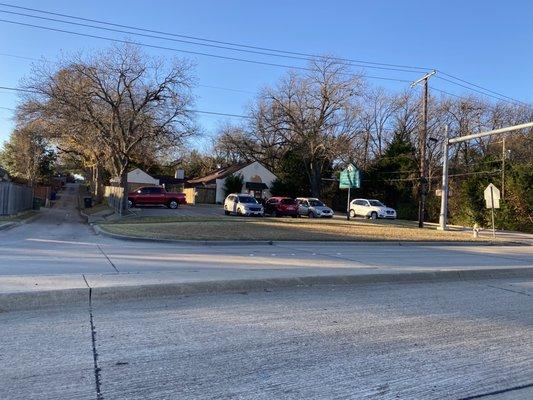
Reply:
x=301, y=229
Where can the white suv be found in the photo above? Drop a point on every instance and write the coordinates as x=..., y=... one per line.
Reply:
x=372, y=209
x=242, y=204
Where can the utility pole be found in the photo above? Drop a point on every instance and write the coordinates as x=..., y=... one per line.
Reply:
x=444, y=189
x=422, y=191
x=503, y=168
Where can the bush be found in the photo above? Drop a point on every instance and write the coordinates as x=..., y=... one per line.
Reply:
x=233, y=184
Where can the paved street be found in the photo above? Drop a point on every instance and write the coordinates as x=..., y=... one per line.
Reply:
x=394, y=341
x=54, y=251
x=446, y=340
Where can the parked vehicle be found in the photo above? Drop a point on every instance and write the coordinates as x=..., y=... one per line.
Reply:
x=372, y=209
x=155, y=195
x=242, y=204
x=313, y=208
x=280, y=206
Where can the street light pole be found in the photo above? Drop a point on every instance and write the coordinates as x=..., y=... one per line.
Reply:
x=503, y=168
x=422, y=192
x=459, y=139
x=444, y=189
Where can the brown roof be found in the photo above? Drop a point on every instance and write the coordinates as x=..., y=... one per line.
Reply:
x=220, y=173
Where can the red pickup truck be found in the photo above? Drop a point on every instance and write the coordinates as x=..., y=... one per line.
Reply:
x=155, y=195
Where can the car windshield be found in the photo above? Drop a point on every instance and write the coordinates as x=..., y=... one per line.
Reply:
x=247, y=199
x=376, y=203
x=316, y=203
x=288, y=201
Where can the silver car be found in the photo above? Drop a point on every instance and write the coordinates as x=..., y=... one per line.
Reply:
x=242, y=204
x=313, y=208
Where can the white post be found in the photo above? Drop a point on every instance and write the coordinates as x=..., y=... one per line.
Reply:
x=348, y=204
x=492, y=207
x=444, y=188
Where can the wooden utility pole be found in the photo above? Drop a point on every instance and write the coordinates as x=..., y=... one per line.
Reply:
x=422, y=144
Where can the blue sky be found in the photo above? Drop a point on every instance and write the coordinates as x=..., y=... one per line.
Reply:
x=487, y=43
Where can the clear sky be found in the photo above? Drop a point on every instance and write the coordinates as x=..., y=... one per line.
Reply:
x=489, y=43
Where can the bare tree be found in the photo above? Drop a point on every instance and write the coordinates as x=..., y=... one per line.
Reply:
x=122, y=99
x=311, y=115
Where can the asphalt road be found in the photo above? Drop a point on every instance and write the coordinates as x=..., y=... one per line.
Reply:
x=396, y=341
x=56, y=250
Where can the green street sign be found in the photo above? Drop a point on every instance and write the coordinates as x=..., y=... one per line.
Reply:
x=350, y=178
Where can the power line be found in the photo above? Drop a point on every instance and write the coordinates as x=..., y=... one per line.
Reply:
x=188, y=110
x=211, y=40
x=480, y=87
x=242, y=47
x=479, y=91
x=186, y=51
x=194, y=43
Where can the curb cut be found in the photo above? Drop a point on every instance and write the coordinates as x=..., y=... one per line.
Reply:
x=54, y=298
x=100, y=231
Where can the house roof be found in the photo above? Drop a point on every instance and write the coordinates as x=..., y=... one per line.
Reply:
x=168, y=180
x=220, y=173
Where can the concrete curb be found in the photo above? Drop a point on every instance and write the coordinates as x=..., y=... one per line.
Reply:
x=13, y=224
x=8, y=225
x=100, y=231
x=54, y=298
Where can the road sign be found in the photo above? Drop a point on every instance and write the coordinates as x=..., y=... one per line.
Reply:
x=350, y=178
x=492, y=196
x=492, y=199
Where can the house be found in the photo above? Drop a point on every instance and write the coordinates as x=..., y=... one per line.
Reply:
x=137, y=178
x=174, y=183
x=257, y=180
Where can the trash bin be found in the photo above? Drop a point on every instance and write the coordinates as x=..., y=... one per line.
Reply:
x=37, y=203
x=87, y=202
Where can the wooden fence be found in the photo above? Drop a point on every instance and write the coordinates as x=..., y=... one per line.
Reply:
x=14, y=198
x=200, y=195
x=113, y=196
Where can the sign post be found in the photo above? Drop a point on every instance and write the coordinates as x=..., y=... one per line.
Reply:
x=350, y=178
x=492, y=201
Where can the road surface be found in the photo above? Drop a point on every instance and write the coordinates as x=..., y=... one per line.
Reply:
x=447, y=340
x=395, y=341
x=56, y=250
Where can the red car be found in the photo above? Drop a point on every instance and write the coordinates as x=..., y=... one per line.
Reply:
x=280, y=206
x=155, y=195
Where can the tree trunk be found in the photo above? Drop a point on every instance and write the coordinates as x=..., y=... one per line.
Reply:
x=97, y=182
x=315, y=179
x=123, y=209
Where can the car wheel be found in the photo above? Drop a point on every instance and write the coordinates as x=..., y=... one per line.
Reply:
x=226, y=212
x=131, y=204
x=352, y=214
x=373, y=215
x=173, y=204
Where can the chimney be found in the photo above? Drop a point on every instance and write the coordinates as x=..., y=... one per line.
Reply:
x=179, y=174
